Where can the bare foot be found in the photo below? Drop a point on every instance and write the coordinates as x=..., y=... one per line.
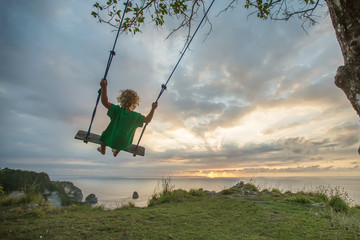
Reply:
x=99, y=149
x=115, y=152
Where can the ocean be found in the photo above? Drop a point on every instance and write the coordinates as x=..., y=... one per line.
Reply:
x=115, y=192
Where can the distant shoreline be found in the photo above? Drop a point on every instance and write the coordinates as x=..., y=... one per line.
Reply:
x=119, y=189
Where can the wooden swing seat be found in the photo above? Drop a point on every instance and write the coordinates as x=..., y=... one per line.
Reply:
x=94, y=138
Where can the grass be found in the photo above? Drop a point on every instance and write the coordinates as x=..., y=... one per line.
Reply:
x=179, y=214
x=25, y=199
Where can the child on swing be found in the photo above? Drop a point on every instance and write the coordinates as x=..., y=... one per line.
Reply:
x=123, y=120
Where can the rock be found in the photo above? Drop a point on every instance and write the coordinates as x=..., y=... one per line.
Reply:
x=54, y=199
x=318, y=205
x=74, y=193
x=91, y=198
x=209, y=192
x=135, y=195
x=32, y=206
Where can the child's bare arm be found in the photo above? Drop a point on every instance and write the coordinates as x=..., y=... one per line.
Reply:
x=151, y=113
x=104, y=97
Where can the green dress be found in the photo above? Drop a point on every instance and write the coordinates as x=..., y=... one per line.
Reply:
x=120, y=131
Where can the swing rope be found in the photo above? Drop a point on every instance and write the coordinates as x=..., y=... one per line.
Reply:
x=164, y=86
x=112, y=54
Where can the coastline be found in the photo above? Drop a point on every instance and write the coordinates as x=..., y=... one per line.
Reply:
x=113, y=192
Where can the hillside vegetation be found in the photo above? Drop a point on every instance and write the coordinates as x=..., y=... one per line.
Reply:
x=33, y=183
x=241, y=212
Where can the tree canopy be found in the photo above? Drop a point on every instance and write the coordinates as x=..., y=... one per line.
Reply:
x=186, y=11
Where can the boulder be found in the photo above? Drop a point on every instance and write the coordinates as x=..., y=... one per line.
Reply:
x=135, y=195
x=91, y=199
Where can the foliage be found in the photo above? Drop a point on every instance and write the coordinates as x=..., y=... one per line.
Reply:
x=24, y=199
x=196, y=192
x=321, y=198
x=135, y=12
x=303, y=199
x=251, y=187
x=186, y=12
x=20, y=180
x=168, y=195
x=276, y=191
x=338, y=204
x=283, y=9
x=33, y=183
x=240, y=188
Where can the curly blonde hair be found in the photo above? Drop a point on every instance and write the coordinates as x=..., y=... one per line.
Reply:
x=128, y=99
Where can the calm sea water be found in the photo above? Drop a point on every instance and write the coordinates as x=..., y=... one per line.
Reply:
x=114, y=192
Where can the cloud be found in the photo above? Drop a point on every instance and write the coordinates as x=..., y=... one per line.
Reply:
x=346, y=134
x=255, y=94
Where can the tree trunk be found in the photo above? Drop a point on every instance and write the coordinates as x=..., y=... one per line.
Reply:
x=345, y=16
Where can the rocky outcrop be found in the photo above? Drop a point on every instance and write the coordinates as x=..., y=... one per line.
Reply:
x=54, y=199
x=91, y=199
x=73, y=193
x=15, y=182
x=135, y=195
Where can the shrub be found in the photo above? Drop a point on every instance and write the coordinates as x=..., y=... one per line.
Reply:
x=338, y=204
x=302, y=199
x=6, y=200
x=251, y=187
x=265, y=190
x=198, y=192
x=178, y=195
x=321, y=198
x=227, y=191
x=275, y=190
x=28, y=198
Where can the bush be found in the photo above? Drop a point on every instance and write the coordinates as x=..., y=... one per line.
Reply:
x=28, y=198
x=178, y=195
x=251, y=187
x=265, y=190
x=302, y=199
x=167, y=194
x=321, y=198
x=338, y=204
x=227, y=191
x=198, y=192
x=275, y=190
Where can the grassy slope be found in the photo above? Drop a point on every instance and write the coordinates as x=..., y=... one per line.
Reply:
x=264, y=216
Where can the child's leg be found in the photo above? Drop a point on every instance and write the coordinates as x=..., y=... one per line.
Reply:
x=102, y=148
x=115, y=152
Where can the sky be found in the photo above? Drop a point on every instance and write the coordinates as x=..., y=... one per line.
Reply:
x=254, y=98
